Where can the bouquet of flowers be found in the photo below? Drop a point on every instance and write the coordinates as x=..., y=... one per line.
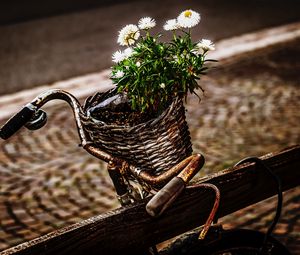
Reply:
x=142, y=120
x=152, y=72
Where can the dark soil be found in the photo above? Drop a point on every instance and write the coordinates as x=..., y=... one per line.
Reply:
x=113, y=108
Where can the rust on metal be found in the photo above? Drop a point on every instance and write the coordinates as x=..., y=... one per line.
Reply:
x=214, y=209
x=158, y=180
x=95, y=151
x=163, y=199
x=195, y=164
x=117, y=178
x=49, y=95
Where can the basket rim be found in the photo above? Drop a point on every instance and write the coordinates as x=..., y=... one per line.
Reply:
x=150, y=122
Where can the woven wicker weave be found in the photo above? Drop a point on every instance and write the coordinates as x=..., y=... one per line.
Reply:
x=155, y=145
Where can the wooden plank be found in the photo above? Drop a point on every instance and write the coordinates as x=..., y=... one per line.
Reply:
x=128, y=230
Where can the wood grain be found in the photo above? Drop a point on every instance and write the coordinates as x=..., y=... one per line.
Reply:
x=130, y=230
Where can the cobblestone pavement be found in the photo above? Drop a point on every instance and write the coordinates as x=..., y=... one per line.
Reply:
x=249, y=108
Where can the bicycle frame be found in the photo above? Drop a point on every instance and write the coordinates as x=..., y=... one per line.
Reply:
x=119, y=170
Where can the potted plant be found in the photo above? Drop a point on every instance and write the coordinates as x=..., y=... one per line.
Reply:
x=153, y=73
x=142, y=120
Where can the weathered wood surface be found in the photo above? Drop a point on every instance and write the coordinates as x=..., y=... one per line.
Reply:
x=128, y=230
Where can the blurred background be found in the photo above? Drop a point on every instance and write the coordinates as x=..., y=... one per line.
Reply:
x=250, y=106
x=44, y=42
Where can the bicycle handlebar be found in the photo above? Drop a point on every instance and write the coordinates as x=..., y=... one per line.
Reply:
x=17, y=121
x=29, y=111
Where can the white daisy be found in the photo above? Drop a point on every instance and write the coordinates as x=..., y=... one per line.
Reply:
x=128, y=52
x=138, y=64
x=188, y=19
x=119, y=74
x=206, y=45
x=128, y=35
x=146, y=23
x=118, y=56
x=171, y=25
x=175, y=57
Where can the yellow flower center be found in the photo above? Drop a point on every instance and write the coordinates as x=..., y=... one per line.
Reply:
x=187, y=14
x=129, y=38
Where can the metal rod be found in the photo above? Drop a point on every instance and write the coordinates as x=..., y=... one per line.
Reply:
x=195, y=164
x=158, y=180
x=165, y=196
x=214, y=208
x=49, y=95
x=95, y=151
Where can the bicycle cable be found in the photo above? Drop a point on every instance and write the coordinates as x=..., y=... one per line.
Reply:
x=279, y=196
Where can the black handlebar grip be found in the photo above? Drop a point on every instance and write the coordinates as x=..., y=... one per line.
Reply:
x=16, y=122
x=163, y=198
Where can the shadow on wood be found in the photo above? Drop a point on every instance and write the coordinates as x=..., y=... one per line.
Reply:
x=129, y=230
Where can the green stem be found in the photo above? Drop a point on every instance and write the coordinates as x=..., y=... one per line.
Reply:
x=174, y=36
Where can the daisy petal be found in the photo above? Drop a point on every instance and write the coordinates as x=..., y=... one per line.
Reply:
x=119, y=74
x=188, y=19
x=118, y=56
x=206, y=45
x=128, y=35
x=171, y=25
x=146, y=23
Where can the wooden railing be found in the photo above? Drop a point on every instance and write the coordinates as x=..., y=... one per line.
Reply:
x=129, y=230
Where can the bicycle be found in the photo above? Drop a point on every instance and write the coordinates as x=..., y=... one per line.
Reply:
x=131, y=182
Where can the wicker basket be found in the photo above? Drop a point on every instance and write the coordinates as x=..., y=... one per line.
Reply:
x=155, y=145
